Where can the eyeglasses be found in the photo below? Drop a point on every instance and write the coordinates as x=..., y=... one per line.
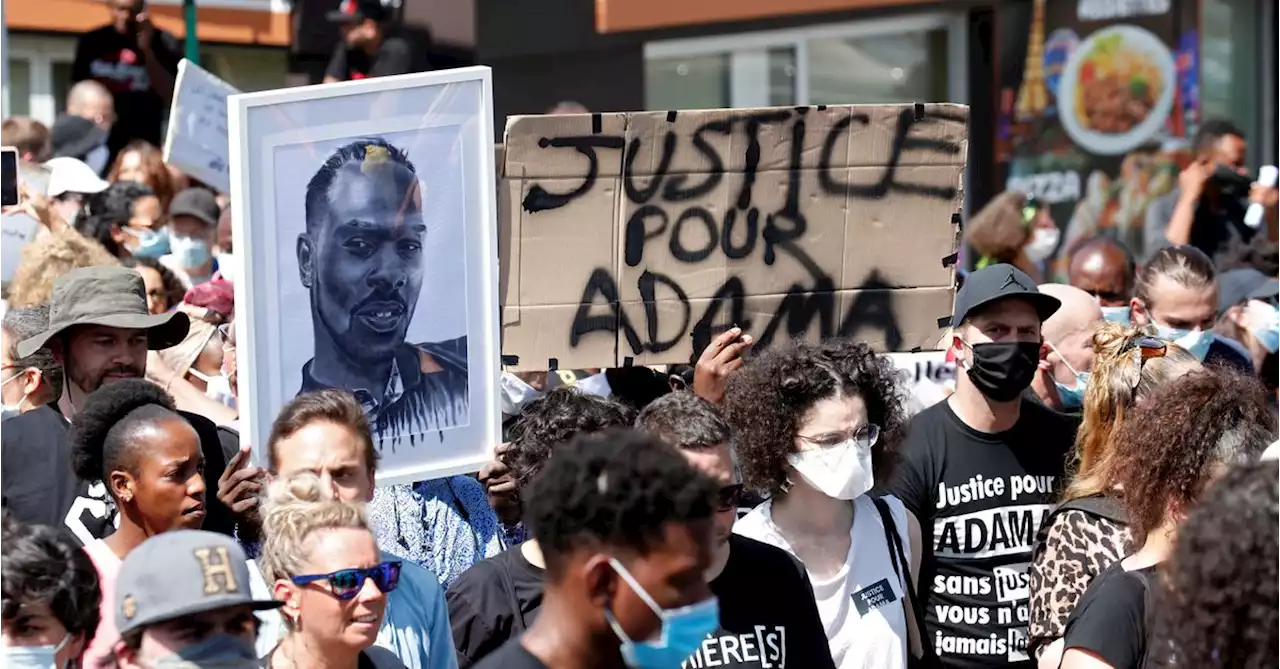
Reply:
x=730, y=497
x=865, y=437
x=344, y=584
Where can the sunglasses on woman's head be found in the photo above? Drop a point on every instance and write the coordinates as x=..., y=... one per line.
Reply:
x=345, y=583
x=1149, y=347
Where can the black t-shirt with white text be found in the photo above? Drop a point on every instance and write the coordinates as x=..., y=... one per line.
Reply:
x=37, y=483
x=1110, y=620
x=116, y=61
x=980, y=499
x=768, y=616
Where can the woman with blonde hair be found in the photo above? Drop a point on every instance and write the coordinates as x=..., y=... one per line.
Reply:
x=321, y=560
x=1089, y=531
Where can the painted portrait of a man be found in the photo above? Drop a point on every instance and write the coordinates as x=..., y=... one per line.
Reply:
x=361, y=259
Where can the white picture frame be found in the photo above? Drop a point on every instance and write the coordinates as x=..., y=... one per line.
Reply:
x=437, y=126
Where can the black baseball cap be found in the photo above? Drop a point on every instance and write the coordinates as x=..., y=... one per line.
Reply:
x=355, y=11
x=1239, y=285
x=198, y=203
x=1000, y=282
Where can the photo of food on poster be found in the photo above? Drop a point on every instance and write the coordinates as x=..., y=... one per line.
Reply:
x=1097, y=111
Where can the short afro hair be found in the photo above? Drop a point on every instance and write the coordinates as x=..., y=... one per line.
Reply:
x=766, y=400
x=41, y=564
x=102, y=431
x=685, y=421
x=1175, y=439
x=617, y=489
x=1217, y=603
x=554, y=419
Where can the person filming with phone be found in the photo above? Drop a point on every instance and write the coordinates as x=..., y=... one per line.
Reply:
x=1207, y=209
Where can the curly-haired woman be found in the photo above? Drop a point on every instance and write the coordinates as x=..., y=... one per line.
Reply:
x=1089, y=531
x=1217, y=603
x=1176, y=443
x=816, y=427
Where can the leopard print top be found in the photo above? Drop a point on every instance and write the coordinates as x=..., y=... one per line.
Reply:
x=1078, y=547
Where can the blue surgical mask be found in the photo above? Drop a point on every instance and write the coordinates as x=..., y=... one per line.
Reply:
x=683, y=629
x=1196, y=342
x=32, y=657
x=151, y=243
x=1073, y=398
x=191, y=252
x=1116, y=315
x=1262, y=319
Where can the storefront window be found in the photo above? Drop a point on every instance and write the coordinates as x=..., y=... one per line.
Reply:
x=782, y=76
x=19, y=87
x=694, y=82
x=1229, y=65
x=906, y=67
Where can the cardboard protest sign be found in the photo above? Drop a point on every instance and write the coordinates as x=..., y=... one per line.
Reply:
x=196, y=142
x=16, y=231
x=633, y=238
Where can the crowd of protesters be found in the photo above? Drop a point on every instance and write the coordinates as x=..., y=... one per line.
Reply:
x=1098, y=490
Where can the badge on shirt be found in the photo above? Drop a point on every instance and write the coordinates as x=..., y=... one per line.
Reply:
x=874, y=596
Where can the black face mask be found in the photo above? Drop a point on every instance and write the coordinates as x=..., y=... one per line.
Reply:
x=1002, y=370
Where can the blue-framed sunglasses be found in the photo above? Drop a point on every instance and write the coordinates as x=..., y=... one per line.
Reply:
x=345, y=583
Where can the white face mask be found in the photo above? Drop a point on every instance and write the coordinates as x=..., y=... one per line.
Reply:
x=1043, y=242
x=33, y=657
x=8, y=411
x=842, y=471
x=216, y=387
x=514, y=393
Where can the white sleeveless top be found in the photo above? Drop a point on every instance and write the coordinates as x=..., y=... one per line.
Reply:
x=861, y=606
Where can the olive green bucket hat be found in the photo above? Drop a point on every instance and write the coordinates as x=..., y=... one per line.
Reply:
x=110, y=296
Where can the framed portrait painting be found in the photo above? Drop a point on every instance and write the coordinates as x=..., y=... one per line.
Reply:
x=365, y=226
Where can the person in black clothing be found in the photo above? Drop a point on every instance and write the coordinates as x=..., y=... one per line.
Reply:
x=625, y=528
x=1207, y=208
x=770, y=622
x=137, y=62
x=498, y=598
x=99, y=331
x=367, y=49
x=1177, y=292
x=1228, y=546
x=1176, y=444
x=981, y=470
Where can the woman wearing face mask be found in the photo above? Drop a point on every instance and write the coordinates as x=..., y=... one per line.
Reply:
x=1247, y=316
x=199, y=358
x=1177, y=443
x=1013, y=228
x=816, y=427
x=128, y=437
x=51, y=597
x=1177, y=293
x=127, y=220
x=323, y=563
x=1089, y=531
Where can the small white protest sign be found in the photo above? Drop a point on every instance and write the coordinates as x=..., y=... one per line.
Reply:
x=16, y=231
x=197, y=141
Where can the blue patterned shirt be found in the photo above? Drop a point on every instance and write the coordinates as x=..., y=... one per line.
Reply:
x=445, y=525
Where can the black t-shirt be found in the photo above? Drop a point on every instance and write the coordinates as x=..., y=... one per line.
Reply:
x=36, y=481
x=768, y=617
x=980, y=499
x=493, y=602
x=115, y=61
x=395, y=56
x=38, y=485
x=512, y=655
x=1110, y=620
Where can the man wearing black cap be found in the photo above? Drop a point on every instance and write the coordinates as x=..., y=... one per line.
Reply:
x=193, y=217
x=1248, y=320
x=367, y=49
x=981, y=471
x=100, y=331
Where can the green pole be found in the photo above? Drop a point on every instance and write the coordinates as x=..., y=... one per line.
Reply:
x=191, y=42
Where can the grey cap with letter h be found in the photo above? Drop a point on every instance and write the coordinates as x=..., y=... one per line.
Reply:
x=182, y=573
